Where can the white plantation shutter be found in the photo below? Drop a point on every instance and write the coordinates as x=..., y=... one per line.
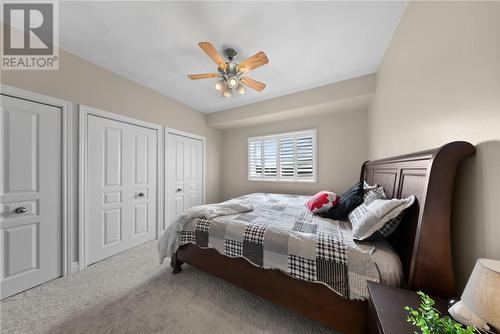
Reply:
x=270, y=157
x=305, y=160
x=287, y=157
x=255, y=159
x=283, y=157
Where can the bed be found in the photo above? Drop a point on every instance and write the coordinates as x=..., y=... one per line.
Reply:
x=421, y=244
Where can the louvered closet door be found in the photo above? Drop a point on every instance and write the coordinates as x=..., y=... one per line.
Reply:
x=121, y=194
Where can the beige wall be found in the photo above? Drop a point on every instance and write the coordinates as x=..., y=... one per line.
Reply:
x=440, y=81
x=338, y=132
x=328, y=98
x=82, y=82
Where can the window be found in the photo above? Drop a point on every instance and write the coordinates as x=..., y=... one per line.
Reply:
x=283, y=157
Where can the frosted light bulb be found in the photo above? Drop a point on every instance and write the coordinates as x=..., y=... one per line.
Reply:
x=241, y=90
x=232, y=82
x=218, y=85
x=227, y=93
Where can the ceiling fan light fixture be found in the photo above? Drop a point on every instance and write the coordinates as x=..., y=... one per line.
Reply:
x=229, y=73
x=233, y=82
x=227, y=92
x=219, y=85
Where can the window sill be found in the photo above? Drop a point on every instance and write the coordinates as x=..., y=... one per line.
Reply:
x=283, y=181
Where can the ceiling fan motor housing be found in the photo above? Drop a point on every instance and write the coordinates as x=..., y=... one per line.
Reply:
x=231, y=69
x=230, y=53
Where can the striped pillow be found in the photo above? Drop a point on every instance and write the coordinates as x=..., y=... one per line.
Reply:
x=378, y=218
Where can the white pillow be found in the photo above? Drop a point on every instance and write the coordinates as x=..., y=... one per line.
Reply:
x=367, y=186
x=378, y=218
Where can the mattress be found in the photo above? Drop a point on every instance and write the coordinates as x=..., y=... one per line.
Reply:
x=281, y=233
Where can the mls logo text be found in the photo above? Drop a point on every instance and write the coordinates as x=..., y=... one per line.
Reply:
x=30, y=36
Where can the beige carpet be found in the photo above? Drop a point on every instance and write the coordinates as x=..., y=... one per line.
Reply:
x=132, y=293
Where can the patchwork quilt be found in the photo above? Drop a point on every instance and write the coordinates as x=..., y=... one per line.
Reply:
x=281, y=233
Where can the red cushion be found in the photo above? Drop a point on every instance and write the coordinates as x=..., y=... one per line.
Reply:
x=322, y=201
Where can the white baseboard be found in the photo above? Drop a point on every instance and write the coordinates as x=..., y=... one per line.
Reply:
x=75, y=267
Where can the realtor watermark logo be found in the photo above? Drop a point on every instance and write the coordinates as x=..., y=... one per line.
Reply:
x=30, y=36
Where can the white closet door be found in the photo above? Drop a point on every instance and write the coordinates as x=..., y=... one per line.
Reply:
x=30, y=194
x=184, y=167
x=143, y=186
x=121, y=192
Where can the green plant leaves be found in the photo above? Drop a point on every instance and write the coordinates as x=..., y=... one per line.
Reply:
x=429, y=320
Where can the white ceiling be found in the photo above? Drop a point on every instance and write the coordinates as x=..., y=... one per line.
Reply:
x=309, y=44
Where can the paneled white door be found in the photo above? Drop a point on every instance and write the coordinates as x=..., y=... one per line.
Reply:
x=30, y=194
x=184, y=168
x=121, y=191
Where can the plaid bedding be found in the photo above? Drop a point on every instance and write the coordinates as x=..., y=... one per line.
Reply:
x=281, y=233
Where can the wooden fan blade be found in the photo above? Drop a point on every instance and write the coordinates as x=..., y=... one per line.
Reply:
x=253, y=62
x=203, y=76
x=254, y=84
x=212, y=53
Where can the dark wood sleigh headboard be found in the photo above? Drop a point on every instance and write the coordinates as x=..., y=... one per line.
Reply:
x=423, y=239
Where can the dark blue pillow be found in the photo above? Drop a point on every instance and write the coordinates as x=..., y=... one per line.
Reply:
x=349, y=201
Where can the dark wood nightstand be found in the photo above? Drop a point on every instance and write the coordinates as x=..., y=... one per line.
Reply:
x=386, y=312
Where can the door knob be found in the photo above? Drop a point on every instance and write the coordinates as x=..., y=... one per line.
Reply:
x=179, y=189
x=20, y=210
x=140, y=194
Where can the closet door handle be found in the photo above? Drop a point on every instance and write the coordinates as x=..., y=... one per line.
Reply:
x=140, y=194
x=21, y=210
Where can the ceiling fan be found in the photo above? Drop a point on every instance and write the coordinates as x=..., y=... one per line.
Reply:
x=230, y=73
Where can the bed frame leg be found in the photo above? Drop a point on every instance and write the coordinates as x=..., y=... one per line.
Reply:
x=175, y=264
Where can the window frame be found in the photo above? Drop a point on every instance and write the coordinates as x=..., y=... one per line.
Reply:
x=278, y=178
